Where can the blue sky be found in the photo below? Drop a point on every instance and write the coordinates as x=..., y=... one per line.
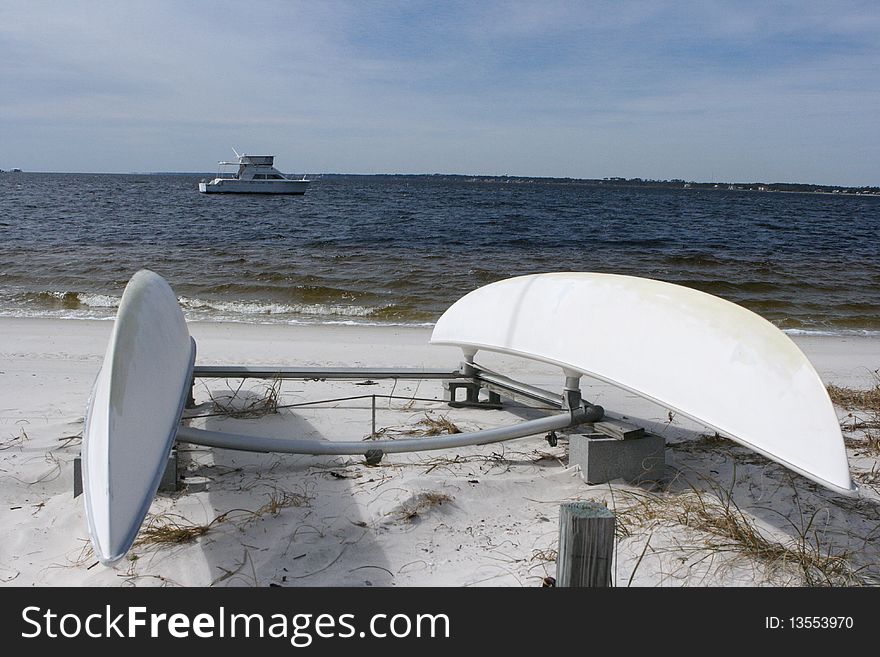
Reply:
x=771, y=91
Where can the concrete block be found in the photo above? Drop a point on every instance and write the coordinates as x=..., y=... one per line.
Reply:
x=603, y=458
x=472, y=391
x=472, y=396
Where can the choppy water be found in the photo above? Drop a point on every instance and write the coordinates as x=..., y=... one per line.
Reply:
x=400, y=250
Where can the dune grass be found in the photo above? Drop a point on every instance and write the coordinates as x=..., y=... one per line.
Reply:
x=174, y=529
x=255, y=402
x=719, y=525
x=854, y=399
x=863, y=420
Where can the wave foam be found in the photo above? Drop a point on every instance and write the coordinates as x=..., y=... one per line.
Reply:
x=866, y=333
x=269, y=308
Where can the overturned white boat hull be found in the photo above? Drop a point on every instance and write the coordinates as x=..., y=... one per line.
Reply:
x=709, y=359
x=133, y=413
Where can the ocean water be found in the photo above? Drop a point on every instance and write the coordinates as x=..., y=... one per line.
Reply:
x=400, y=250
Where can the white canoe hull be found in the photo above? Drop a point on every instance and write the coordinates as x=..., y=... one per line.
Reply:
x=705, y=357
x=232, y=186
x=133, y=412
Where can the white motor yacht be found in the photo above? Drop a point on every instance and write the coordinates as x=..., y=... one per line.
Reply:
x=255, y=175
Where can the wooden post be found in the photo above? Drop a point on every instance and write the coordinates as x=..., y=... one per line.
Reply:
x=586, y=545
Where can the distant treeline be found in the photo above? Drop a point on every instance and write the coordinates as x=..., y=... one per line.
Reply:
x=675, y=183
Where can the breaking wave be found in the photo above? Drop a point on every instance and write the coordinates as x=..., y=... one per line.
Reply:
x=86, y=305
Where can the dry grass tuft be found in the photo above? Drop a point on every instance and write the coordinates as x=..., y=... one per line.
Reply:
x=171, y=529
x=864, y=416
x=872, y=477
x=282, y=499
x=862, y=400
x=869, y=443
x=256, y=402
x=429, y=425
x=418, y=504
x=726, y=528
x=436, y=426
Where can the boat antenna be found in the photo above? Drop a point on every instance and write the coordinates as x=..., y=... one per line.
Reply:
x=236, y=153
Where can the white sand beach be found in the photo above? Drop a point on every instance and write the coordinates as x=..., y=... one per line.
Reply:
x=478, y=516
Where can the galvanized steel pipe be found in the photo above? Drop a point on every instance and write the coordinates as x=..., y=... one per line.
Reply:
x=361, y=447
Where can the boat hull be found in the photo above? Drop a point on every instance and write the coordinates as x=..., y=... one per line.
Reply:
x=133, y=413
x=709, y=359
x=229, y=186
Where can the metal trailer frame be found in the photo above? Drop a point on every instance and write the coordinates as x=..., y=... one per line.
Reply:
x=572, y=410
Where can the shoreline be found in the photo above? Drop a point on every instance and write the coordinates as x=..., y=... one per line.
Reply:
x=484, y=516
x=793, y=333
x=485, y=178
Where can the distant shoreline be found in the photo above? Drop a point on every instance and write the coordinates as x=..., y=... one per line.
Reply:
x=642, y=183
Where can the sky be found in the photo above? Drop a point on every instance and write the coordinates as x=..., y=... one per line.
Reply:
x=725, y=91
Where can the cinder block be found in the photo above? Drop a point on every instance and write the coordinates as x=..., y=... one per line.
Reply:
x=603, y=458
x=472, y=396
x=472, y=392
